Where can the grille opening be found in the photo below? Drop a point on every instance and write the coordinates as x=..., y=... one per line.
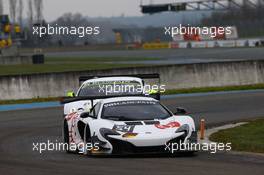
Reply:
x=133, y=123
x=151, y=122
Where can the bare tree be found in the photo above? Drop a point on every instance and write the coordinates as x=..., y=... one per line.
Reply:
x=38, y=5
x=12, y=9
x=20, y=12
x=1, y=7
x=30, y=13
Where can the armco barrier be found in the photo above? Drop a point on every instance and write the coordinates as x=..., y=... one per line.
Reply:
x=217, y=43
x=183, y=44
x=241, y=43
x=211, y=44
x=174, y=45
x=199, y=44
x=173, y=76
x=252, y=42
x=227, y=43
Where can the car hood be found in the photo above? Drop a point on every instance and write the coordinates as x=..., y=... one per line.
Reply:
x=146, y=126
x=146, y=133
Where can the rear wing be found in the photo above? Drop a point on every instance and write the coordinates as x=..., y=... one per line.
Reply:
x=142, y=76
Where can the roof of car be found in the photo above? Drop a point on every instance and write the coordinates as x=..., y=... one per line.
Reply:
x=117, y=99
x=114, y=79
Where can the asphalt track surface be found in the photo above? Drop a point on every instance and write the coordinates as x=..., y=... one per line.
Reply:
x=174, y=56
x=20, y=129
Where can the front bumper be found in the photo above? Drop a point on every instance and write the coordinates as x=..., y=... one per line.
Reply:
x=121, y=147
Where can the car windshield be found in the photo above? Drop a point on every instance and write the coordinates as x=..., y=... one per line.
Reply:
x=110, y=88
x=134, y=110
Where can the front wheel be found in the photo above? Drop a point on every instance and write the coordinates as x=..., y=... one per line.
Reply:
x=66, y=136
x=87, y=139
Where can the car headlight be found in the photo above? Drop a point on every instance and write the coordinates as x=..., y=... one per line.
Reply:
x=105, y=132
x=184, y=128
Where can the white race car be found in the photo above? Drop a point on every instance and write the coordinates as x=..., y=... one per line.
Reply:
x=107, y=86
x=127, y=125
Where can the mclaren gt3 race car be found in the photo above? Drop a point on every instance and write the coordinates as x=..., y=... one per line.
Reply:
x=107, y=86
x=127, y=125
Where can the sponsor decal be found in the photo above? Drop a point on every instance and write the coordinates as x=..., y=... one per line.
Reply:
x=129, y=135
x=131, y=102
x=124, y=128
x=169, y=125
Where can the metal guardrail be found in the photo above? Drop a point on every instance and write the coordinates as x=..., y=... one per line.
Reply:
x=200, y=5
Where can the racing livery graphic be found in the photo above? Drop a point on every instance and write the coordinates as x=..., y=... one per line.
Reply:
x=128, y=125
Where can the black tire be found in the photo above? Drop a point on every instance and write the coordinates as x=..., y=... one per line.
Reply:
x=88, y=134
x=66, y=135
x=87, y=137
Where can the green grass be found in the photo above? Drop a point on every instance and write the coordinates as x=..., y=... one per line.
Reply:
x=214, y=89
x=47, y=68
x=68, y=64
x=248, y=137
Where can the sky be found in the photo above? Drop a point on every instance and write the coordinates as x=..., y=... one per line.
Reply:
x=92, y=8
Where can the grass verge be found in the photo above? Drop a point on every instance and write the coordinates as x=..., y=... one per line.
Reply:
x=55, y=68
x=70, y=64
x=248, y=137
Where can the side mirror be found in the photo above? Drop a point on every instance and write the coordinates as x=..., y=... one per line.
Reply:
x=180, y=111
x=70, y=94
x=153, y=94
x=86, y=115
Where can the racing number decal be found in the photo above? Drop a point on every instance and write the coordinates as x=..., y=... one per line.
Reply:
x=169, y=125
x=124, y=128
